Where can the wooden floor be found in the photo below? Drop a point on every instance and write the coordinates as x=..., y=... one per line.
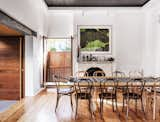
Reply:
x=41, y=109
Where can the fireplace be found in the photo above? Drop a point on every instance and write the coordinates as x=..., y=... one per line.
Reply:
x=91, y=70
x=91, y=67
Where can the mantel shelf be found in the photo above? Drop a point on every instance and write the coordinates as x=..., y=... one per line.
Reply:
x=95, y=62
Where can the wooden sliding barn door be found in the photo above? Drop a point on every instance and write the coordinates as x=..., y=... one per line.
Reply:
x=10, y=67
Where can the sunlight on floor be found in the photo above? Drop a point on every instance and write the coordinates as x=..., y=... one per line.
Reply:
x=6, y=104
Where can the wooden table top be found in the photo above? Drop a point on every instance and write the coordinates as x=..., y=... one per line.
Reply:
x=122, y=81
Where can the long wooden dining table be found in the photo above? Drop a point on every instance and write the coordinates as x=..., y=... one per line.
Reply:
x=150, y=82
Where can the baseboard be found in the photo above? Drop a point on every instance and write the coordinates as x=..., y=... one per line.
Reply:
x=39, y=91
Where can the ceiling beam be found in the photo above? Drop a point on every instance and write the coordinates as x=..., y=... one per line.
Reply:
x=54, y=4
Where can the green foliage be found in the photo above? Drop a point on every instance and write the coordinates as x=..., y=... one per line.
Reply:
x=94, y=45
x=82, y=30
x=67, y=49
x=53, y=49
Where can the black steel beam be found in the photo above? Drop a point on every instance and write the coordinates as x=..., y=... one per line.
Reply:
x=14, y=24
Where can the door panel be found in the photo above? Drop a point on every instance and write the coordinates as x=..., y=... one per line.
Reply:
x=10, y=68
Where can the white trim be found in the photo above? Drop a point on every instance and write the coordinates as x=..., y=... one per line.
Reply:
x=41, y=89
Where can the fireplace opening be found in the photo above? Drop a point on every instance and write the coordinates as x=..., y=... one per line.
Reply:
x=91, y=71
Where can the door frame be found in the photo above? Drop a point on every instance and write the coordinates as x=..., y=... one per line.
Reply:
x=22, y=67
x=13, y=23
x=45, y=50
x=22, y=64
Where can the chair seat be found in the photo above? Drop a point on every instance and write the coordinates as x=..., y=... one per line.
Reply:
x=84, y=95
x=107, y=95
x=131, y=95
x=65, y=90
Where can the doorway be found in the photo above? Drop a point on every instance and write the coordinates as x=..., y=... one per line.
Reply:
x=59, y=57
x=11, y=68
x=12, y=53
x=11, y=64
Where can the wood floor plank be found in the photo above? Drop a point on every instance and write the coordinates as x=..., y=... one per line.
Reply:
x=41, y=109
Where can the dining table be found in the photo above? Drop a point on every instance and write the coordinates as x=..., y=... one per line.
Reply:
x=150, y=82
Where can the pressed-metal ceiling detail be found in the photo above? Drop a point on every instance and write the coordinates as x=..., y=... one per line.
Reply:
x=95, y=3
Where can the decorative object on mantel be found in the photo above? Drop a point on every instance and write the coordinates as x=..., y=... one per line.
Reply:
x=111, y=59
x=78, y=53
x=86, y=58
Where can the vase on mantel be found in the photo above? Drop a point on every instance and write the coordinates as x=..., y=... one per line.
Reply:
x=110, y=59
x=78, y=53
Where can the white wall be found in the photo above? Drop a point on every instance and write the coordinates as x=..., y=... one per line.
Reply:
x=32, y=13
x=90, y=17
x=151, y=55
x=33, y=64
x=60, y=24
x=37, y=62
x=128, y=33
x=29, y=66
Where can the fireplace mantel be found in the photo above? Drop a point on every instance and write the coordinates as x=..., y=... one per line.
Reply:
x=95, y=62
x=107, y=67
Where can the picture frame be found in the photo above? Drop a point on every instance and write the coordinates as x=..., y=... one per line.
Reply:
x=92, y=39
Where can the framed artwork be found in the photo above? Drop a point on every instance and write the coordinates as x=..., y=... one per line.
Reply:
x=95, y=38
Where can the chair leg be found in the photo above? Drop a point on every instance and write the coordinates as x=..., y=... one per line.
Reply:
x=71, y=102
x=127, y=111
x=101, y=107
x=76, y=106
x=57, y=102
x=116, y=104
x=142, y=106
x=113, y=104
x=117, y=107
x=89, y=100
x=123, y=105
x=136, y=105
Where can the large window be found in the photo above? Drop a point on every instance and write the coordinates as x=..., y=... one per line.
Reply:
x=58, y=45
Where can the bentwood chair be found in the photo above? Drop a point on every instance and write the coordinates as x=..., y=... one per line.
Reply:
x=150, y=96
x=83, y=89
x=136, y=74
x=134, y=92
x=108, y=92
x=118, y=74
x=99, y=74
x=97, y=91
x=63, y=89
